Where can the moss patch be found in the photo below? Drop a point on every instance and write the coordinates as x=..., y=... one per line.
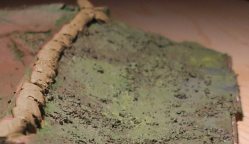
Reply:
x=121, y=85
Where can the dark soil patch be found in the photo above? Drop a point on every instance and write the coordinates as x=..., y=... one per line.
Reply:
x=121, y=85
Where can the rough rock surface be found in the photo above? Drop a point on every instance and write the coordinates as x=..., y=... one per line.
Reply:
x=121, y=85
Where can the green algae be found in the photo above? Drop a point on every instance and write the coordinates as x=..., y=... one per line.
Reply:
x=121, y=85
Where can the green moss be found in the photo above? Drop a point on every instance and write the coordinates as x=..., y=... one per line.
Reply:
x=102, y=78
x=120, y=85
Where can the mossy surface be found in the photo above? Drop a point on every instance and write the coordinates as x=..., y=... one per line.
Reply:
x=121, y=85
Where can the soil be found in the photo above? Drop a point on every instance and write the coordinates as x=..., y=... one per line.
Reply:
x=22, y=33
x=117, y=84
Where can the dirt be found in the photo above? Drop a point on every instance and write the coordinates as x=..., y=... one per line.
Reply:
x=121, y=85
x=22, y=33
